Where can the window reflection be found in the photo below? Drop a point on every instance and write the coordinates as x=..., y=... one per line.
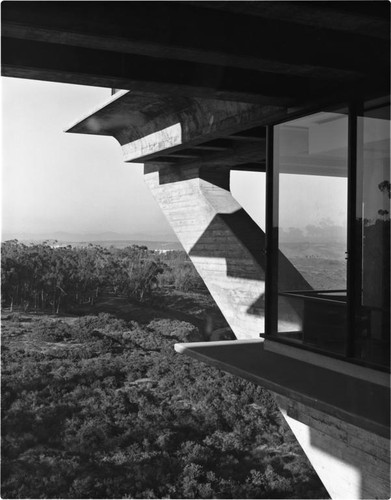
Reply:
x=373, y=227
x=311, y=161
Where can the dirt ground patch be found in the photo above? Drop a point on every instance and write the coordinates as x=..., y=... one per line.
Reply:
x=197, y=309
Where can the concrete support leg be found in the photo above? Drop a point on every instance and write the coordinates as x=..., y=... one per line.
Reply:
x=224, y=243
x=226, y=247
x=351, y=462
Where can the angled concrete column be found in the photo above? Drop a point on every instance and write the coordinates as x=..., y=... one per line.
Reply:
x=351, y=462
x=224, y=243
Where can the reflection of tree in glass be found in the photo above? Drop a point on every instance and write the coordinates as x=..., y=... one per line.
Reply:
x=385, y=187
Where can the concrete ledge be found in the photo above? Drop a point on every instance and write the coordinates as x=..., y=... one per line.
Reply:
x=153, y=143
x=337, y=365
x=85, y=125
x=183, y=347
x=360, y=402
x=133, y=117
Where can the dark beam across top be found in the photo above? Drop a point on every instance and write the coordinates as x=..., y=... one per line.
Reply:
x=191, y=32
x=363, y=18
x=66, y=63
x=237, y=155
x=189, y=47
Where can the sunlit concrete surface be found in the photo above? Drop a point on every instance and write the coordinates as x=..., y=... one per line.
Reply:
x=223, y=242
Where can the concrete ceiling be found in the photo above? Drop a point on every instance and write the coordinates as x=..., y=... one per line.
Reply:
x=269, y=53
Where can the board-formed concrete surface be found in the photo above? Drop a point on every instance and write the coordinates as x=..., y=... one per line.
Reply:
x=224, y=243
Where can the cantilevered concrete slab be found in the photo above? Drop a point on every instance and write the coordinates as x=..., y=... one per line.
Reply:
x=148, y=125
x=340, y=415
x=325, y=389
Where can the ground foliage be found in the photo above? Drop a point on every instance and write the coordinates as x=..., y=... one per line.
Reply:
x=100, y=406
x=96, y=407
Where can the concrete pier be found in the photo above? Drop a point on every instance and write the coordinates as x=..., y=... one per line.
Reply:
x=225, y=245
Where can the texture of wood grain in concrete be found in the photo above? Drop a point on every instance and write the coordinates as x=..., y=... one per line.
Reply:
x=224, y=243
x=350, y=461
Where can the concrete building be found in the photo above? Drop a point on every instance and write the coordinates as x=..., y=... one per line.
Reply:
x=300, y=92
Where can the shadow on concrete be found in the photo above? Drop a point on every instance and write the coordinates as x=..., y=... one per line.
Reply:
x=236, y=238
x=232, y=237
x=369, y=483
x=170, y=174
x=229, y=236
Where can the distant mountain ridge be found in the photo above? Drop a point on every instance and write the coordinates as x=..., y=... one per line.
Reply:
x=163, y=246
x=63, y=236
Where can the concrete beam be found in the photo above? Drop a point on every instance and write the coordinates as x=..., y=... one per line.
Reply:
x=128, y=45
x=238, y=154
x=361, y=18
x=90, y=66
x=146, y=125
x=276, y=41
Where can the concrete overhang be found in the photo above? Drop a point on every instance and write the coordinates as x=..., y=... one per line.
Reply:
x=358, y=395
x=149, y=125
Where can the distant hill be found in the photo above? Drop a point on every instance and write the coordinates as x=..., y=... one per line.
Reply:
x=152, y=245
x=154, y=241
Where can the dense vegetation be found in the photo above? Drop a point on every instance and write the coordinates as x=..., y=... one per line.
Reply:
x=42, y=276
x=95, y=406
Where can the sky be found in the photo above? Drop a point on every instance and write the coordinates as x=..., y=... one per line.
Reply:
x=55, y=182
x=59, y=182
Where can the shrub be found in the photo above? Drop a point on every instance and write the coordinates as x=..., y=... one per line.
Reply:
x=53, y=331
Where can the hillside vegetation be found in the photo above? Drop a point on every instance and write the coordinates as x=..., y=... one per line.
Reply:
x=43, y=277
x=98, y=405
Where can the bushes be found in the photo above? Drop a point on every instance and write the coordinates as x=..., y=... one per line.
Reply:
x=85, y=329
x=187, y=279
x=113, y=412
x=43, y=277
x=94, y=327
x=178, y=331
x=180, y=274
x=133, y=419
x=49, y=330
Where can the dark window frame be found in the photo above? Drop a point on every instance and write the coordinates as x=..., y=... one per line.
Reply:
x=355, y=109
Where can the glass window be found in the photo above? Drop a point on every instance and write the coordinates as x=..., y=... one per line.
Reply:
x=372, y=328
x=310, y=219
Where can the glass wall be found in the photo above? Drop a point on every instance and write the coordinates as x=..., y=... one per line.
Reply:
x=310, y=221
x=372, y=328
